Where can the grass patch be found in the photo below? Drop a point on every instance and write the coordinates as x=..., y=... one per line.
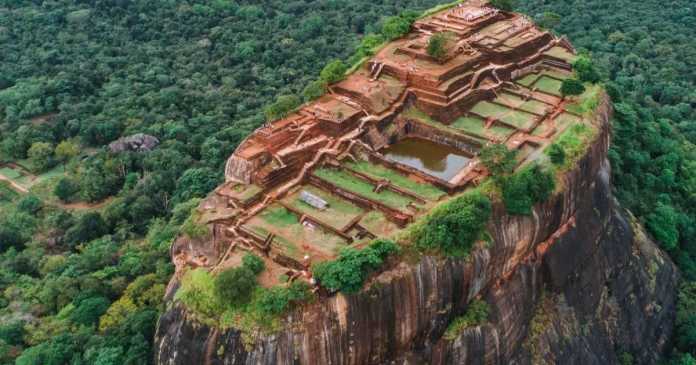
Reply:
x=425, y=190
x=488, y=109
x=528, y=80
x=10, y=173
x=586, y=102
x=339, y=212
x=345, y=180
x=476, y=126
x=549, y=85
x=476, y=314
x=574, y=140
x=521, y=120
x=276, y=215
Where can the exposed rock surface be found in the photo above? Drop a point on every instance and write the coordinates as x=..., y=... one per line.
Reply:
x=138, y=143
x=575, y=283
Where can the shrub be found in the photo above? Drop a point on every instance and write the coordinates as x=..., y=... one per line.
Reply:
x=253, y=263
x=527, y=187
x=235, y=286
x=505, y=5
x=663, y=224
x=475, y=315
x=282, y=106
x=395, y=27
x=66, y=189
x=348, y=272
x=456, y=225
x=585, y=69
x=30, y=204
x=436, y=45
x=277, y=300
x=197, y=292
x=572, y=87
x=556, y=154
x=314, y=90
x=334, y=71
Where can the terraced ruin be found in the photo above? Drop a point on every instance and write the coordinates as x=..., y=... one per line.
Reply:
x=389, y=142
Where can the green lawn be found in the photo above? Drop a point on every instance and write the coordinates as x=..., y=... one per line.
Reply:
x=527, y=80
x=587, y=101
x=377, y=223
x=338, y=214
x=519, y=119
x=488, y=109
x=534, y=106
x=10, y=173
x=375, y=171
x=561, y=53
x=477, y=126
x=346, y=181
x=549, y=85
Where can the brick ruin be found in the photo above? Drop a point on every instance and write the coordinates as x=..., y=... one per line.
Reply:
x=497, y=83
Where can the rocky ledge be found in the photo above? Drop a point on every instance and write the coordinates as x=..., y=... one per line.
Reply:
x=574, y=283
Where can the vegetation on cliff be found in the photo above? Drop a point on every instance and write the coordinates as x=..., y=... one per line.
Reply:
x=476, y=314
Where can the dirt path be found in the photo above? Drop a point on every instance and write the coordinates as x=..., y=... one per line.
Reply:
x=14, y=185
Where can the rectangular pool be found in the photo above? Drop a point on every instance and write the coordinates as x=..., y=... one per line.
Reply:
x=441, y=161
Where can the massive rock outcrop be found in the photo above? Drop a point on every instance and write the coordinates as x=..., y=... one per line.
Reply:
x=578, y=282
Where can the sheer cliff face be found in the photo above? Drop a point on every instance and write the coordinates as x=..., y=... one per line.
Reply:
x=575, y=283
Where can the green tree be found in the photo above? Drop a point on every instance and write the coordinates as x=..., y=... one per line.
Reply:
x=253, y=263
x=66, y=189
x=395, y=27
x=663, y=224
x=234, y=286
x=454, y=227
x=348, y=272
x=436, y=45
x=333, y=72
x=585, y=70
x=314, y=90
x=65, y=151
x=549, y=20
x=572, y=87
x=506, y=5
x=526, y=188
x=41, y=155
x=282, y=107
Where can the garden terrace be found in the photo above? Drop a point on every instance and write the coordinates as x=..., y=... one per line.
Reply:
x=394, y=138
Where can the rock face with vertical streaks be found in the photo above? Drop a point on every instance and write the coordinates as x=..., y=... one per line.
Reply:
x=578, y=282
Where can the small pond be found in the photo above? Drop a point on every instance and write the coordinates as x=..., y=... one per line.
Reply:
x=441, y=161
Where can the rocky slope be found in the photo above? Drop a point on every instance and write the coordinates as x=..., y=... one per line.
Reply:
x=578, y=282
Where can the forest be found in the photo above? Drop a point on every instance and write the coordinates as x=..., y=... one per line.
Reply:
x=84, y=252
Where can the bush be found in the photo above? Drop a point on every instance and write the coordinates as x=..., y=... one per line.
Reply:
x=436, y=45
x=234, y=286
x=572, y=87
x=475, y=315
x=30, y=204
x=456, y=225
x=334, y=71
x=585, y=69
x=197, y=293
x=314, y=90
x=526, y=188
x=395, y=27
x=277, y=300
x=348, y=272
x=282, y=106
x=505, y=5
x=253, y=263
x=556, y=154
x=66, y=189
